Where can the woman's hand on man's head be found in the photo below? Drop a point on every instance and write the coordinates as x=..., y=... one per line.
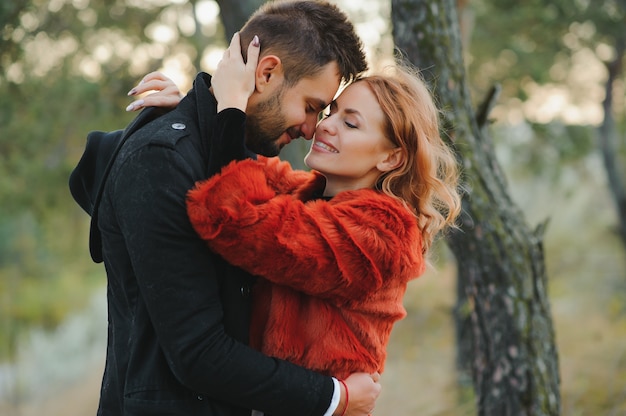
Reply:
x=234, y=80
x=167, y=94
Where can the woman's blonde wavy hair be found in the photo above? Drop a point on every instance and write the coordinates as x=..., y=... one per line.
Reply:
x=428, y=178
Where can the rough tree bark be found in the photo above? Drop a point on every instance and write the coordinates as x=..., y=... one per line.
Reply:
x=503, y=312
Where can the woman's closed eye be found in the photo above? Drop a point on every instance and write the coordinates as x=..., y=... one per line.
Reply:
x=329, y=112
x=350, y=125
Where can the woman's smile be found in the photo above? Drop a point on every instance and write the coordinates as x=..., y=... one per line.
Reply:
x=320, y=145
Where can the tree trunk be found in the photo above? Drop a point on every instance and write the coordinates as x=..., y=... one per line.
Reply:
x=235, y=13
x=608, y=140
x=503, y=320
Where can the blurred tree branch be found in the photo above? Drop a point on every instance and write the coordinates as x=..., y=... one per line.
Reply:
x=235, y=13
x=609, y=137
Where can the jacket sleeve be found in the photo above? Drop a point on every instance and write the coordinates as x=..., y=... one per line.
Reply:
x=177, y=281
x=343, y=248
x=228, y=140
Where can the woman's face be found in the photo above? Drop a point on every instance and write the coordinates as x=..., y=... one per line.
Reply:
x=349, y=147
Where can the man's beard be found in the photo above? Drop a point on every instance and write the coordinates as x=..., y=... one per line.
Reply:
x=265, y=123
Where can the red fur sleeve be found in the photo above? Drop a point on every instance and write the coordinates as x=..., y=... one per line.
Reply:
x=343, y=248
x=281, y=177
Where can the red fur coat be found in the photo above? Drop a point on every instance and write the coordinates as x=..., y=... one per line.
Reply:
x=335, y=271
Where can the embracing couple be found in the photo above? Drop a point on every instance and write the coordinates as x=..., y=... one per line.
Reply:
x=236, y=285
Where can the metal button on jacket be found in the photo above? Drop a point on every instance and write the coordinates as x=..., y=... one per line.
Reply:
x=245, y=291
x=179, y=126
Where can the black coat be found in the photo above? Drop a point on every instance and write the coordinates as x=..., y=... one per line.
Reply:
x=178, y=314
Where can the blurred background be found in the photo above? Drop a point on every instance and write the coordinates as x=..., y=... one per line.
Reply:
x=66, y=66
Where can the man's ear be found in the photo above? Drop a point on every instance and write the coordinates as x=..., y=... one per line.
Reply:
x=395, y=157
x=269, y=72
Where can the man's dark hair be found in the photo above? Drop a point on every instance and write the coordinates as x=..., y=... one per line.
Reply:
x=306, y=36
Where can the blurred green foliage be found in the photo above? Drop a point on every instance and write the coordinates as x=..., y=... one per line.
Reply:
x=66, y=68
x=44, y=124
x=538, y=49
x=526, y=40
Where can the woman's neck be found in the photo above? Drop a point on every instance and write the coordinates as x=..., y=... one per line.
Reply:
x=336, y=185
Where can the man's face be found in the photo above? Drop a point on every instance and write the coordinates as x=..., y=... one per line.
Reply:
x=283, y=114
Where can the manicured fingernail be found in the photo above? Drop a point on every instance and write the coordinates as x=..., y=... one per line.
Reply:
x=255, y=41
x=134, y=105
x=133, y=91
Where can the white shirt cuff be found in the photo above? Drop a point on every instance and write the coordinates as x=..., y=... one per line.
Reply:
x=334, y=403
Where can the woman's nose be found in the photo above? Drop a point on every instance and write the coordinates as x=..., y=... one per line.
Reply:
x=327, y=125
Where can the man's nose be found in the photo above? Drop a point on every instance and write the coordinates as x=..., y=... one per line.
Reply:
x=308, y=127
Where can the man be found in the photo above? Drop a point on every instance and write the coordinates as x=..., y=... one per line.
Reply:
x=178, y=315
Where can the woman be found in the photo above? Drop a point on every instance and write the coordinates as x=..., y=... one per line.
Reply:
x=336, y=247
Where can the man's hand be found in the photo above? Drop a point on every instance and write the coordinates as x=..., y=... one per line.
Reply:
x=363, y=390
x=167, y=93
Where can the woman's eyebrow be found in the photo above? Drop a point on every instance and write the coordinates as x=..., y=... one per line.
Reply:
x=353, y=111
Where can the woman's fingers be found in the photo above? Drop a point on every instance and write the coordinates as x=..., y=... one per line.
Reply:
x=153, y=85
x=166, y=92
x=234, y=80
x=235, y=45
x=254, y=50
